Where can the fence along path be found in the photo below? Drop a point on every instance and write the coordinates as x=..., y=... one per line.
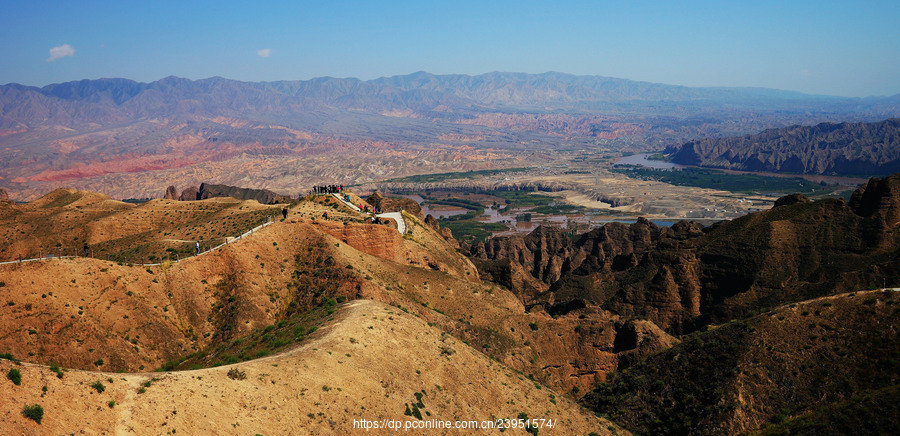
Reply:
x=396, y=216
x=352, y=206
x=228, y=240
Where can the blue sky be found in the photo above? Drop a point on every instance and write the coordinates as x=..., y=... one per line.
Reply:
x=822, y=47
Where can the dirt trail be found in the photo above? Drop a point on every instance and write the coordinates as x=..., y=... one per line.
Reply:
x=372, y=362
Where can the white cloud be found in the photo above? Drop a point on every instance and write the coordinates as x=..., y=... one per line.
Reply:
x=264, y=53
x=61, y=52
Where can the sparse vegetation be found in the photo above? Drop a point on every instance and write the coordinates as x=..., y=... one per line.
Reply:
x=55, y=368
x=98, y=385
x=15, y=376
x=717, y=179
x=237, y=374
x=33, y=412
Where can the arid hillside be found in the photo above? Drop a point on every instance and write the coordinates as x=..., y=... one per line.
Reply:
x=305, y=292
x=371, y=362
x=64, y=221
x=817, y=362
x=276, y=288
x=77, y=312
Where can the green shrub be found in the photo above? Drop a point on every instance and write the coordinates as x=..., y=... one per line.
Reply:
x=98, y=386
x=55, y=368
x=15, y=376
x=236, y=374
x=33, y=412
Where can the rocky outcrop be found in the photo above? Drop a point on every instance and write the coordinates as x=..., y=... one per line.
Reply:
x=542, y=253
x=547, y=269
x=879, y=198
x=827, y=148
x=3, y=194
x=685, y=276
x=637, y=339
x=209, y=190
x=395, y=204
x=791, y=199
x=616, y=201
x=190, y=193
x=171, y=193
x=264, y=196
x=444, y=232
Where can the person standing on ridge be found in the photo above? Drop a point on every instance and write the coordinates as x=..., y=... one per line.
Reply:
x=197, y=248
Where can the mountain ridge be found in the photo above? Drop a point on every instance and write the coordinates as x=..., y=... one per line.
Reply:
x=825, y=148
x=124, y=137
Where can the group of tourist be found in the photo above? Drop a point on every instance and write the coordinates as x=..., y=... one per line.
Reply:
x=339, y=189
x=328, y=189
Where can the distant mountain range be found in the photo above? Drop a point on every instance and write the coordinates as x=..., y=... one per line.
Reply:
x=115, y=129
x=846, y=148
x=109, y=99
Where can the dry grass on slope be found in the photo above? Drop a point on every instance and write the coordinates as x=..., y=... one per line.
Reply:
x=372, y=362
x=249, y=300
x=764, y=370
x=63, y=221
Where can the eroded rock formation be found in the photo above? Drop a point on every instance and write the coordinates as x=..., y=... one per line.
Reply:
x=171, y=193
x=444, y=232
x=686, y=276
x=826, y=148
x=393, y=204
x=264, y=196
x=190, y=194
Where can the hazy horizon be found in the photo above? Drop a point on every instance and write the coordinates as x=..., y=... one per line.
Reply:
x=435, y=74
